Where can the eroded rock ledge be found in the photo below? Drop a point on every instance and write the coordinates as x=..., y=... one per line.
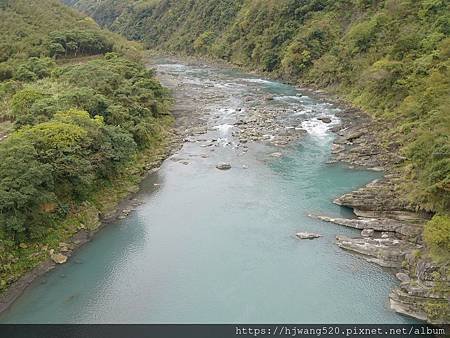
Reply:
x=377, y=224
x=383, y=241
x=424, y=289
x=386, y=251
x=391, y=229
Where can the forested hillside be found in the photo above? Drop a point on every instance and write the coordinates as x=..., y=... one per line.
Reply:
x=390, y=57
x=80, y=118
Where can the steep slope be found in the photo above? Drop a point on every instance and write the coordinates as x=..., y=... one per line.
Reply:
x=81, y=119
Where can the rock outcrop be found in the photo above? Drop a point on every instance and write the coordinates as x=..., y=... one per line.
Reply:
x=391, y=228
x=263, y=123
x=424, y=290
x=396, y=242
x=387, y=252
x=381, y=198
x=307, y=235
x=409, y=230
x=359, y=136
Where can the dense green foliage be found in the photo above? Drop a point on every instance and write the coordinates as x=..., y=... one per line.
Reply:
x=49, y=29
x=391, y=57
x=58, y=154
x=75, y=126
x=437, y=236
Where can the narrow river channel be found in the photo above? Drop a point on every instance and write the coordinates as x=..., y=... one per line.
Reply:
x=212, y=246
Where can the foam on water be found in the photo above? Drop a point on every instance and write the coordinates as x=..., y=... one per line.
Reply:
x=258, y=81
x=304, y=111
x=172, y=67
x=289, y=98
x=223, y=129
x=228, y=85
x=318, y=129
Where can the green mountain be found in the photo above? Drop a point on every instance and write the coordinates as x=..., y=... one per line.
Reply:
x=80, y=119
x=390, y=57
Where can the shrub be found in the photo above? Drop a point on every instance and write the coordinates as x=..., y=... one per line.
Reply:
x=437, y=235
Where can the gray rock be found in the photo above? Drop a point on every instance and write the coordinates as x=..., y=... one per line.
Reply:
x=424, y=283
x=58, y=258
x=324, y=119
x=385, y=235
x=355, y=135
x=307, y=235
x=337, y=148
x=403, y=277
x=384, y=252
x=377, y=224
x=367, y=233
x=223, y=166
x=408, y=308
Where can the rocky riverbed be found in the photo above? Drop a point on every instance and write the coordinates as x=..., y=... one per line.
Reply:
x=240, y=187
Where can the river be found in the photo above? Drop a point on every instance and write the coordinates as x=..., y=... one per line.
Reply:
x=212, y=246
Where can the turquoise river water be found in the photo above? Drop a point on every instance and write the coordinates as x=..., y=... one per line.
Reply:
x=211, y=246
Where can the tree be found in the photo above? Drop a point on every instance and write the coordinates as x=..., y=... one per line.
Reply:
x=34, y=68
x=56, y=49
x=25, y=185
x=437, y=235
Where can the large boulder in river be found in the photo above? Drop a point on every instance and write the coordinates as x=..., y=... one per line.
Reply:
x=223, y=166
x=324, y=119
x=307, y=235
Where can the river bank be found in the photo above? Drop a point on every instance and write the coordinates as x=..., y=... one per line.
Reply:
x=111, y=204
x=108, y=205
x=391, y=228
x=221, y=120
